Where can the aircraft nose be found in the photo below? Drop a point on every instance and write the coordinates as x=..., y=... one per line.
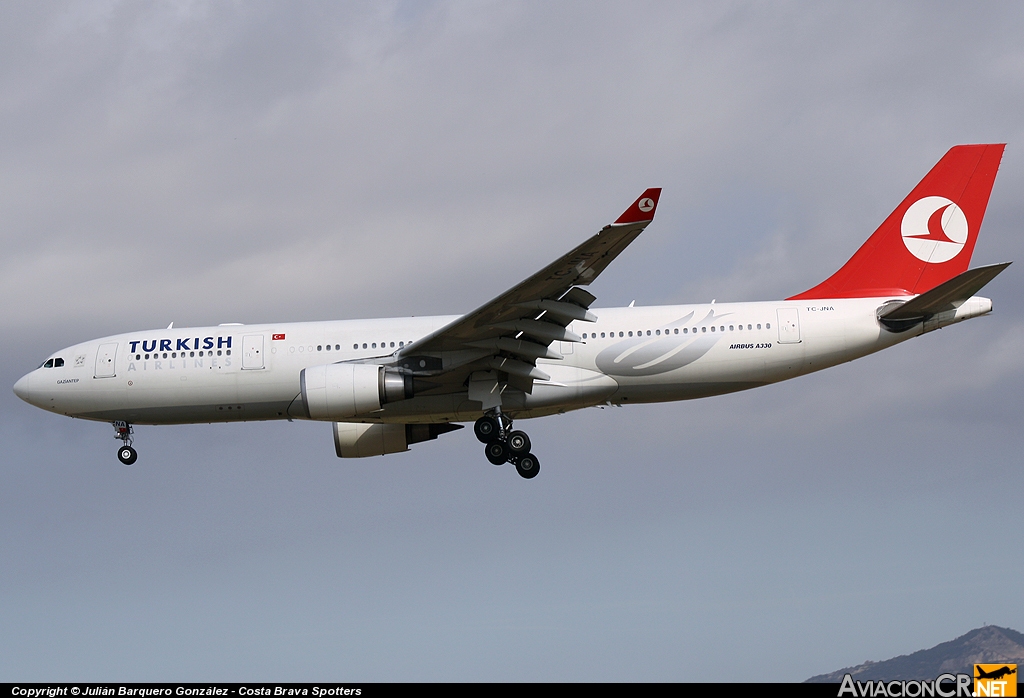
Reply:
x=21, y=388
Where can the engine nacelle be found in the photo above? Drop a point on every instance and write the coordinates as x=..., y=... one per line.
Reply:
x=340, y=391
x=361, y=440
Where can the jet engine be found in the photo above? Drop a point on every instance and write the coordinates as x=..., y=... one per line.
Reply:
x=339, y=391
x=361, y=440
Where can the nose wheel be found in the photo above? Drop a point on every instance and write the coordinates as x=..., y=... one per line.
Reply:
x=126, y=454
x=503, y=445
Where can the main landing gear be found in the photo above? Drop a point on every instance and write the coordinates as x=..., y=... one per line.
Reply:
x=126, y=454
x=503, y=445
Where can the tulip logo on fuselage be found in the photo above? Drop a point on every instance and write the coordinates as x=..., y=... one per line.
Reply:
x=934, y=229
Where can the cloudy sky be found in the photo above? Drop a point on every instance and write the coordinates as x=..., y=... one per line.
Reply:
x=250, y=162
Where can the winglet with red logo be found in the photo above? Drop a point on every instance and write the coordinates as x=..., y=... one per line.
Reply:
x=642, y=209
x=929, y=238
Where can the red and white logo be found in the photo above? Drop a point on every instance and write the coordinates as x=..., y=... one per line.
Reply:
x=646, y=205
x=934, y=229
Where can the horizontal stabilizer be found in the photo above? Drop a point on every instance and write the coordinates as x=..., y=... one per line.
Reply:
x=946, y=296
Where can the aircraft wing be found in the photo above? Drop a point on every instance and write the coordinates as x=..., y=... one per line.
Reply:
x=509, y=333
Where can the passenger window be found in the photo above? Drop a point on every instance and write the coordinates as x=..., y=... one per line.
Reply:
x=138, y=357
x=392, y=345
x=677, y=330
x=686, y=331
x=192, y=354
x=373, y=346
x=731, y=328
x=759, y=325
x=319, y=347
x=705, y=329
x=364, y=345
x=648, y=333
x=630, y=333
x=657, y=332
x=767, y=325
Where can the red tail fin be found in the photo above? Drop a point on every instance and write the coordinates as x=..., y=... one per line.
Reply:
x=929, y=238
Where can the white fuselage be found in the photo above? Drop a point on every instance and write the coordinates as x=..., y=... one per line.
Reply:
x=630, y=355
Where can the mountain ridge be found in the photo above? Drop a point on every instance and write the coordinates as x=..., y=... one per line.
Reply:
x=989, y=644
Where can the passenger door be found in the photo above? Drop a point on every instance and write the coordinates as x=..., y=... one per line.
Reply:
x=252, y=352
x=789, y=326
x=106, y=359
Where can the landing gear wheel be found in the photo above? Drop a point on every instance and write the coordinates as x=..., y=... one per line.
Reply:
x=528, y=466
x=497, y=453
x=518, y=443
x=487, y=429
x=127, y=455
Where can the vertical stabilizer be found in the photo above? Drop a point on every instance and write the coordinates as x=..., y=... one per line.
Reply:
x=929, y=238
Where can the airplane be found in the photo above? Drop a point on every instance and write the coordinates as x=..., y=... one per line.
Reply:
x=541, y=347
x=995, y=674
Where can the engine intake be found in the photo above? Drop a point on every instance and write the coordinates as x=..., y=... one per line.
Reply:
x=339, y=391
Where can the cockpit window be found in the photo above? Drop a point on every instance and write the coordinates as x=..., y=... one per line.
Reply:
x=48, y=364
x=57, y=363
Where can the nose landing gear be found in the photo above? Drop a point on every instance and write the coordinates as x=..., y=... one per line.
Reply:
x=126, y=454
x=502, y=445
